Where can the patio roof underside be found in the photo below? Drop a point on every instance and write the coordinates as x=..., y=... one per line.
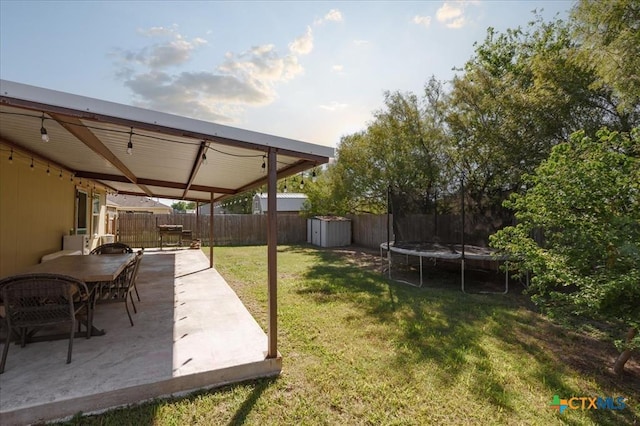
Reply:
x=89, y=138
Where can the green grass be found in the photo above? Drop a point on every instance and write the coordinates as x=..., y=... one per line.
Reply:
x=359, y=349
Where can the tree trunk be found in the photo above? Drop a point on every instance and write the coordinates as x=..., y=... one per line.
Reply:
x=618, y=367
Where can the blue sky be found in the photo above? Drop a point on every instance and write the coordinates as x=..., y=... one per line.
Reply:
x=312, y=71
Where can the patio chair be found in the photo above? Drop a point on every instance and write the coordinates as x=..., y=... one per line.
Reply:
x=121, y=289
x=112, y=248
x=115, y=248
x=34, y=301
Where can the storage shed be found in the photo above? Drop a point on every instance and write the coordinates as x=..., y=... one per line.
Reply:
x=329, y=231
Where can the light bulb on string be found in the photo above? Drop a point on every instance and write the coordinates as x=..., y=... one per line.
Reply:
x=301, y=181
x=313, y=176
x=130, y=144
x=11, y=157
x=48, y=170
x=204, y=158
x=43, y=132
x=285, y=186
x=264, y=164
x=60, y=175
x=32, y=164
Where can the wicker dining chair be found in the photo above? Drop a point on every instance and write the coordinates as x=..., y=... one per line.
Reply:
x=34, y=301
x=112, y=248
x=121, y=289
x=115, y=248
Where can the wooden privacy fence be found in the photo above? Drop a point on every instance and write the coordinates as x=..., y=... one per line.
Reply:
x=141, y=230
x=367, y=230
x=371, y=230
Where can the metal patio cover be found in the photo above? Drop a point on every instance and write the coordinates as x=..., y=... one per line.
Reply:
x=88, y=139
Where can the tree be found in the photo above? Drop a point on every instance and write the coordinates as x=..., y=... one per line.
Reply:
x=183, y=206
x=401, y=148
x=586, y=200
x=609, y=35
x=520, y=94
x=179, y=206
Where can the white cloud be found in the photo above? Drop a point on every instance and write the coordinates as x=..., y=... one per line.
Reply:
x=334, y=106
x=361, y=42
x=449, y=11
x=452, y=13
x=334, y=15
x=175, y=51
x=157, y=31
x=302, y=45
x=422, y=20
x=261, y=64
x=201, y=95
x=159, y=79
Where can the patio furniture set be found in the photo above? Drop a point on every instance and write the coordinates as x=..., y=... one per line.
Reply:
x=65, y=290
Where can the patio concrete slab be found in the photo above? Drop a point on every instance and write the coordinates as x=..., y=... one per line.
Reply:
x=191, y=332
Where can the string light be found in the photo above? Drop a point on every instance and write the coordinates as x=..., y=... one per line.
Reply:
x=313, y=176
x=60, y=175
x=43, y=132
x=301, y=181
x=285, y=186
x=11, y=157
x=31, y=164
x=110, y=130
x=204, y=158
x=48, y=171
x=264, y=164
x=130, y=144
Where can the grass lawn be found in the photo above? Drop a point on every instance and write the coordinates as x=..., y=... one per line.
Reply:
x=359, y=349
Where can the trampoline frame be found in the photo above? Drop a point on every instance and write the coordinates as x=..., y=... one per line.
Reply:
x=451, y=255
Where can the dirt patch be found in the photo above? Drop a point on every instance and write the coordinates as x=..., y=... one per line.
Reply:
x=362, y=257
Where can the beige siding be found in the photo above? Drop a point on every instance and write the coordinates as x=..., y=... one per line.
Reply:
x=36, y=210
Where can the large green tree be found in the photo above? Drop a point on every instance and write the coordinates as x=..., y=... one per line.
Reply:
x=609, y=36
x=585, y=199
x=520, y=94
x=401, y=149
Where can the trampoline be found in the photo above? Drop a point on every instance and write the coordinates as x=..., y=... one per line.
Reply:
x=463, y=238
x=448, y=252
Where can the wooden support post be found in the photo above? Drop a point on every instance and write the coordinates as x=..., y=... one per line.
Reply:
x=272, y=254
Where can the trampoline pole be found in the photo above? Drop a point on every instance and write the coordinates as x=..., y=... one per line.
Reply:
x=462, y=233
x=506, y=277
x=388, y=232
x=462, y=273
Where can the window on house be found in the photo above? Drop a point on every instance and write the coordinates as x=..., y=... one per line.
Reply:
x=95, y=213
x=81, y=212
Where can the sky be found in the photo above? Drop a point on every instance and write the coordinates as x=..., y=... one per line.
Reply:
x=308, y=70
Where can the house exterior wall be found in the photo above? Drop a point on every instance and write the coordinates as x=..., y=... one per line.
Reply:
x=36, y=211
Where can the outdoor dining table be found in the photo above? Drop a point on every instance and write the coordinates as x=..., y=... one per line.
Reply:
x=92, y=269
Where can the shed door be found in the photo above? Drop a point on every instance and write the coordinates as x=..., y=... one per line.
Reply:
x=316, y=236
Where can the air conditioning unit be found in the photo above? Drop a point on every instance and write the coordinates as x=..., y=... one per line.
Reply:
x=76, y=242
